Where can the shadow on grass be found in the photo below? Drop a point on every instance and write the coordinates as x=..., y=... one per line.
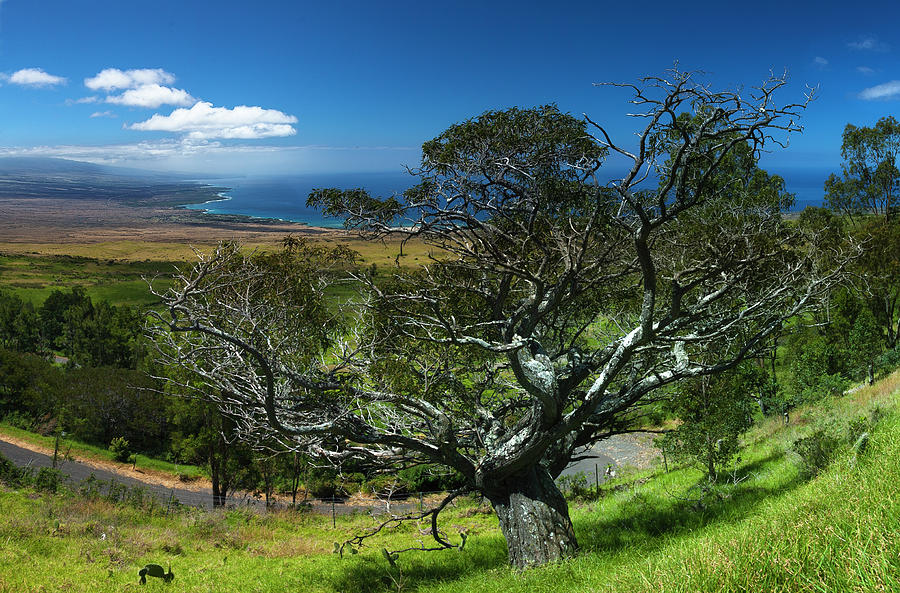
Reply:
x=641, y=518
x=372, y=573
x=638, y=521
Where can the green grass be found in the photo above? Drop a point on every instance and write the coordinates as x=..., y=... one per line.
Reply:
x=766, y=528
x=33, y=277
x=81, y=450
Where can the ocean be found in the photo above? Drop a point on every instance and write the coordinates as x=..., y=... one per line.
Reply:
x=284, y=197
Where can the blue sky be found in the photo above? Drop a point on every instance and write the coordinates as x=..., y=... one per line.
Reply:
x=277, y=86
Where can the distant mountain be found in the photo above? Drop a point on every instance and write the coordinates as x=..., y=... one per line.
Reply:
x=41, y=177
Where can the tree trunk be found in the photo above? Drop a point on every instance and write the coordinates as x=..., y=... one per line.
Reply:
x=534, y=518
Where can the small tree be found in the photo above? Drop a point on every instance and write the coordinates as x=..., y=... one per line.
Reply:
x=866, y=343
x=714, y=412
x=553, y=309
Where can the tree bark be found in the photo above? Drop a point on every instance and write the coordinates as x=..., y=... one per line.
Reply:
x=534, y=518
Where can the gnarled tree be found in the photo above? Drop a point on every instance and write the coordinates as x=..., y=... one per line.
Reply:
x=553, y=307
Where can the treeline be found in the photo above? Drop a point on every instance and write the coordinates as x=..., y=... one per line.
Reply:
x=852, y=337
x=75, y=366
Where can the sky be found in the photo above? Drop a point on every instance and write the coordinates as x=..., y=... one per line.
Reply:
x=301, y=86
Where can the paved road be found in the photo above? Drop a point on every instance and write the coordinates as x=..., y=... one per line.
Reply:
x=76, y=472
x=627, y=449
x=634, y=450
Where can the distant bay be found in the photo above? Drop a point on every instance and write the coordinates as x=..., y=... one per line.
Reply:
x=283, y=197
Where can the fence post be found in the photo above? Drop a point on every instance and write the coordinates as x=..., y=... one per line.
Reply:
x=333, y=520
x=597, y=478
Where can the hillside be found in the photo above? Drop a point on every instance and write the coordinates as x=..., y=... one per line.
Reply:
x=30, y=178
x=770, y=527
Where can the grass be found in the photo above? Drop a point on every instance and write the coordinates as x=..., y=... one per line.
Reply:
x=114, y=271
x=33, y=278
x=765, y=528
x=92, y=452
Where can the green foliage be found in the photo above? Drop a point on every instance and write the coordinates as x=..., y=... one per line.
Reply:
x=48, y=479
x=714, y=412
x=120, y=449
x=430, y=478
x=869, y=170
x=816, y=451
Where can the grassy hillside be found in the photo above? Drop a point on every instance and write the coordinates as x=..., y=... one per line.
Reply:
x=771, y=526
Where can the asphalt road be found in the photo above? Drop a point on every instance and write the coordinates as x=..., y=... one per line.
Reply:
x=76, y=472
x=625, y=448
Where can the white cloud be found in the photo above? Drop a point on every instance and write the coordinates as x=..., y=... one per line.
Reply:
x=887, y=90
x=111, y=79
x=869, y=43
x=198, y=156
x=203, y=121
x=820, y=61
x=92, y=99
x=35, y=77
x=103, y=114
x=865, y=70
x=152, y=96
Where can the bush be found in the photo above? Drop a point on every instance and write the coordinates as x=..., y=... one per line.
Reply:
x=387, y=485
x=323, y=487
x=48, y=479
x=120, y=449
x=9, y=473
x=575, y=486
x=816, y=451
x=19, y=419
x=430, y=478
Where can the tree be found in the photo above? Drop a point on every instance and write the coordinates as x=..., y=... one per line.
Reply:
x=714, y=411
x=553, y=308
x=869, y=173
x=866, y=343
x=879, y=267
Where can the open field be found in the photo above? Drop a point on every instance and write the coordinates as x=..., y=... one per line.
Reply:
x=108, y=247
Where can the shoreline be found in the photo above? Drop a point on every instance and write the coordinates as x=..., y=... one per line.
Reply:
x=59, y=221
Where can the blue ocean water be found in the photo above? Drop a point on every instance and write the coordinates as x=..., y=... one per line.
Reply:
x=284, y=197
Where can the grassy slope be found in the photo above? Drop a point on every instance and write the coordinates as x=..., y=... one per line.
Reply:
x=769, y=530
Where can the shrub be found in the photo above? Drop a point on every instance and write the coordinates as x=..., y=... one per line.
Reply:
x=48, y=479
x=323, y=487
x=574, y=486
x=120, y=449
x=9, y=473
x=816, y=451
x=430, y=478
x=387, y=485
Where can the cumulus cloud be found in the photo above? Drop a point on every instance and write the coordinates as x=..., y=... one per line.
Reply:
x=152, y=96
x=35, y=77
x=820, y=62
x=143, y=87
x=887, y=90
x=869, y=43
x=203, y=121
x=111, y=79
x=865, y=70
x=103, y=114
